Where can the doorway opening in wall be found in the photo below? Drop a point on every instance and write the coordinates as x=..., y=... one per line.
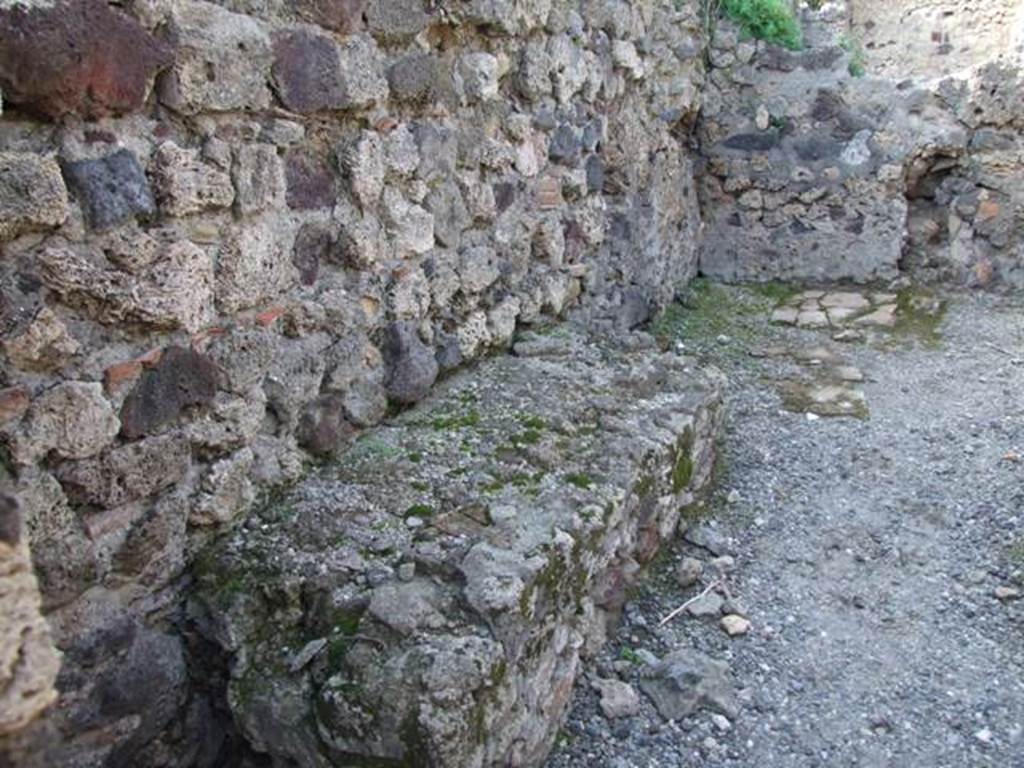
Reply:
x=929, y=191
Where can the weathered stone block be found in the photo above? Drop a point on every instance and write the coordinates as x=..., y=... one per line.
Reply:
x=76, y=57
x=413, y=78
x=32, y=194
x=185, y=184
x=409, y=364
x=227, y=491
x=410, y=227
x=479, y=75
x=111, y=190
x=311, y=184
x=222, y=62
x=258, y=175
x=517, y=545
x=61, y=552
x=45, y=344
x=362, y=241
x=128, y=473
x=362, y=161
x=183, y=378
x=307, y=72
x=254, y=266
x=175, y=291
x=342, y=16
x=74, y=420
x=323, y=428
x=314, y=245
x=396, y=20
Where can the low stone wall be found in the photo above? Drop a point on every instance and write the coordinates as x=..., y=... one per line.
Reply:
x=235, y=234
x=817, y=171
x=426, y=602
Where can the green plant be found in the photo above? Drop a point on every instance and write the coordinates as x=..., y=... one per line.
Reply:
x=857, y=59
x=628, y=654
x=770, y=20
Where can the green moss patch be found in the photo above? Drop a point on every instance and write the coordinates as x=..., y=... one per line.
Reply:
x=420, y=510
x=919, y=314
x=580, y=480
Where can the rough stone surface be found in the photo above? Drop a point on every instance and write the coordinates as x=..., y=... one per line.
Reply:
x=222, y=61
x=181, y=378
x=32, y=194
x=411, y=368
x=811, y=572
x=74, y=420
x=174, y=292
x=618, y=699
x=819, y=164
x=494, y=167
x=686, y=680
x=78, y=57
x=111, y=189
x=520, y=541
x=185, y=185
x=44, y=346
x=28, y=660
x=307, y=72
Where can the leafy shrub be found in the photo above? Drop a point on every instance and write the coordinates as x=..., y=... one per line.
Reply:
x=769, y=20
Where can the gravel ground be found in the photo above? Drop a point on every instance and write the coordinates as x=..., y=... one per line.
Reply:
x=868, y=555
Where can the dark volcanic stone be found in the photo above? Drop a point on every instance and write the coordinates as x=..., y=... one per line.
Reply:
x=313, y=245
x=310, y=182
x=595, y=174
x=307, y=72
x=504, y=195
x=10, y=520
x=813, y=148
x=323, y=428
x=182, y=378
x=410, y=365
x=413, y=79
x=343, y=16
x=565, y=146
x=751, y=142
x=149, y=683
x=77, y=57
x=111, y=190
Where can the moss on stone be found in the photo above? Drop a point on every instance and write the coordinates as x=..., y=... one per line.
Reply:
x=533, y=422
x=526, y=437
x=682, y=470
x=420, y=510
x=456, y=421
x=580, y=480
x=920, y=314
x=708, y=312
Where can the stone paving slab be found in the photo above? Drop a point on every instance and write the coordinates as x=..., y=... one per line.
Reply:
x=426, y=599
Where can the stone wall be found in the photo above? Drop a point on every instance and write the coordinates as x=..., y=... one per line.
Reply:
x=930, y=39
x=816, y=170
x=236, y=234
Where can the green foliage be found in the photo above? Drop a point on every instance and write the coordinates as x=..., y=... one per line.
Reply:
x=628, y=654
x=769, y=20
x=580, y=480
x=857, y=59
